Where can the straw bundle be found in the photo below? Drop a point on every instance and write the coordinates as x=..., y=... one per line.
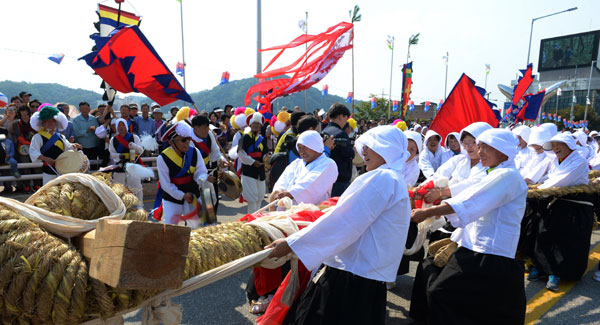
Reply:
x=44, y=279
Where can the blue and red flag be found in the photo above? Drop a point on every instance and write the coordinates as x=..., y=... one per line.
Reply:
x=559, y=118
x=543, y=116
x=532, y=106
x=523, y=84
x=127, y=61
x=427, y=104
x=411, y=105
x=349, y=97
x=394, y=105
x=180, y=69
x=224, y=78
x=324, y=91
x=440, y=105
x=56, y=58
x=373, y=102
x=465, y=105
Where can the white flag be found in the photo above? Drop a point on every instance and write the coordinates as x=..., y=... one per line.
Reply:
x=303, y=25
x=558, y=92
x=587, y=101
x=574, y=99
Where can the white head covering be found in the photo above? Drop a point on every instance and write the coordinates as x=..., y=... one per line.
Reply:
x=539, y=136
x=387, y=141
x=593, y=134
x=475, y=129
x=429, y=134
x=456, y=136
x=581, y=137
x=523, y=131
x=416, y=137
x=116, y=122
x=550, y=127
x=312, y=140
x=561, y=137
x=502, y=140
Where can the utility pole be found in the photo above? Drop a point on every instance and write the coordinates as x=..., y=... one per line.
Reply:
x=391, y=76
x=182, y=44
x=446, y=82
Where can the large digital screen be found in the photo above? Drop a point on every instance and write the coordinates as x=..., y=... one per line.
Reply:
x=568, y=51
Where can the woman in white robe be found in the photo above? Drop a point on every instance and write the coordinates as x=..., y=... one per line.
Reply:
x=412, y=170
x=373, y=213
x=536, y=168
x=431, y=158
x=522, y=132
x=307, y=180
x=452, y=146
x=482, y=280
x=564, y=232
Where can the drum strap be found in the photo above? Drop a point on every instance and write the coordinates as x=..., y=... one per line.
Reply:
x=52, y=140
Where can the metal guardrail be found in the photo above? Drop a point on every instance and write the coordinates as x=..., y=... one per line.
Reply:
x=26, y=177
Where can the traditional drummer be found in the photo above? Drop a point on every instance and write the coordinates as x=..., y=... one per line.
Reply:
x=181, y=172
x=121, y=146
x=205, y=141
x=48, y=143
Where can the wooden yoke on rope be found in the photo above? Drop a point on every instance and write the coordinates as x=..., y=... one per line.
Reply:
x=131, y=254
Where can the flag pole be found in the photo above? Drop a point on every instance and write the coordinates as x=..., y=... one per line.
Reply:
x=182, y=43
x=446, y=80
x=391, y=76
x=587, y=97
x=305, y=58
x=258, y=37
x=572, y=101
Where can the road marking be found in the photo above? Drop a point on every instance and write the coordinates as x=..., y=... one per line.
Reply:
x=545, y=299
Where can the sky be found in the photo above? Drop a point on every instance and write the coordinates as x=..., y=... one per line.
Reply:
x=221, y=36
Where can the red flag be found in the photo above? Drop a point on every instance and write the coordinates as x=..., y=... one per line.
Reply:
x=129, y=63
x=322, y=54
x=465, y=105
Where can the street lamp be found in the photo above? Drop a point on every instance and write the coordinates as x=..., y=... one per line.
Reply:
x=538, y=18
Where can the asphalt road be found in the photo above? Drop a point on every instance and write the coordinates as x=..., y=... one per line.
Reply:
x=224, y=302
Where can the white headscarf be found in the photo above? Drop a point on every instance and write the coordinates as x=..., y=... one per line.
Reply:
x=474, y=129
x=523, y=131
x=116, y=122
x=387, y=141
x=539, y=136
x=416, y=137
x=581, y=137
x=550, y=127
x=561, y=137
x=502, y=140
x=311, y=139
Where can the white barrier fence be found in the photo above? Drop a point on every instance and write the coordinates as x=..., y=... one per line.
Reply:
x=25, y=177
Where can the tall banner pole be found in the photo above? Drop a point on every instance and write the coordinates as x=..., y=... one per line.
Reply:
x=182, y=44
x=391, y=76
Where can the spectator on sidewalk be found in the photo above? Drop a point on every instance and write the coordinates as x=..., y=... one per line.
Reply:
x=84, y=127
x=145, y=124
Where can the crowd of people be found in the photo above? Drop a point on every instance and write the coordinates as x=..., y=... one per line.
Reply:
x=359, y=246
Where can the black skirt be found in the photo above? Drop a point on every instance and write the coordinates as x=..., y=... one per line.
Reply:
x=340, y=297
x=404, y=267
x=473, y=288
x=563, y=239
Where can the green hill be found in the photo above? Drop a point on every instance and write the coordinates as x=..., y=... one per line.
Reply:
x=232, y=93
